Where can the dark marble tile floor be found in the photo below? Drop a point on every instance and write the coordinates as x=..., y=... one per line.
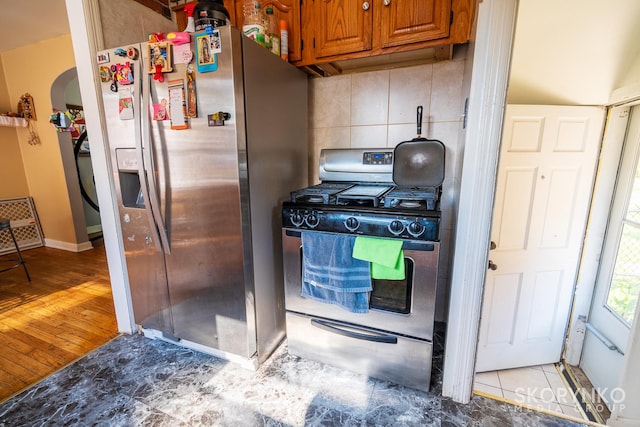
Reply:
x=134, y=381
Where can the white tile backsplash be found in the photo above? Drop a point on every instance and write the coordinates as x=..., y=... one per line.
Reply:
x=334, y=137
x=378, y=109
x=369, y=136
x=401, y=132
x=408, y=88
x=446, y=93
x=370, y=98
x=330, y=102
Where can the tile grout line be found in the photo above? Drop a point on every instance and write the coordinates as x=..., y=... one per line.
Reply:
x=487, y=385
x=585, y=420
x=553, y=392
x=500, y=382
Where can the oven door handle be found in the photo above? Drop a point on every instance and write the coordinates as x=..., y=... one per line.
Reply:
x=381, y=338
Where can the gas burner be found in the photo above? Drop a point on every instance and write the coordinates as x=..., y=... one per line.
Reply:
x=419, y=198
x=363, y=195
x=412, y=204
x=324, y=193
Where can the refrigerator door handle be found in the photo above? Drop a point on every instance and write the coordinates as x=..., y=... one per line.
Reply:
x=148, y=154
x=142, y=175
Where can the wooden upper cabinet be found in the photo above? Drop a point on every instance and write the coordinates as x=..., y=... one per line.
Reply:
x=336, y=30
x=289, y=10
x=411, y=21
x=342, y=26
x=349, y=29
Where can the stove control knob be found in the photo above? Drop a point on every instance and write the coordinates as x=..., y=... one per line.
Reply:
x=352, y=223
x=396, y=227
x=297, y=219
x=416, y=229
x=312, y=220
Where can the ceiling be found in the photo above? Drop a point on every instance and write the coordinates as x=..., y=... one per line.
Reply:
x=571, y=52
x=29, y=21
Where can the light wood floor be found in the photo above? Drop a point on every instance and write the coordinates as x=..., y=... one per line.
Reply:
x=65, y=312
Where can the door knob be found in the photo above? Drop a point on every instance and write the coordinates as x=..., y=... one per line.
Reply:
x=386, y=2
x=492, y=246
x=492, y=266
x=365, y=5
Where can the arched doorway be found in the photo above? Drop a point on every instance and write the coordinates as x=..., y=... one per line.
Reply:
x=65, y=95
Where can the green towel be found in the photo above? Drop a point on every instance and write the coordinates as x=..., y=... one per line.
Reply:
x=385, y=255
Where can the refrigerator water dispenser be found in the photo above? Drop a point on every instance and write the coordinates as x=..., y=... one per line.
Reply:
x=129, y=178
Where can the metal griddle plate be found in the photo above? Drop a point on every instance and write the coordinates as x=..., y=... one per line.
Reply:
x=419, y=163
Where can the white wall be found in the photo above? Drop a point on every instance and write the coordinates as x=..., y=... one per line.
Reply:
x=377, y=109
x=572, y=52
x=126, y=22
x=92, y=216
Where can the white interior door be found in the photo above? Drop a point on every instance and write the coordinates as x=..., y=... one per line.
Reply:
x=545, y=179
x=615, y=300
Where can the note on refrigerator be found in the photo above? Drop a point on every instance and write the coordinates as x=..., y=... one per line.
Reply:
x=177, y=104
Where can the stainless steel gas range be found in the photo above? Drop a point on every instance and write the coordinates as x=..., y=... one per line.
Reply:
x=380, y=325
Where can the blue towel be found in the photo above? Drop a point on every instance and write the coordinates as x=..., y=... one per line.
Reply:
x=330, y=274
x=355, y=302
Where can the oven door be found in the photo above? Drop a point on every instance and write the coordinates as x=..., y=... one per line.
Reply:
x=400, y=306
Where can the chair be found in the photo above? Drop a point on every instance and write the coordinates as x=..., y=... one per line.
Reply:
x=5, y=224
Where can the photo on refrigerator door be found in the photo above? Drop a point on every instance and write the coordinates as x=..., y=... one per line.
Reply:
x=159, y=57
x=206, y=58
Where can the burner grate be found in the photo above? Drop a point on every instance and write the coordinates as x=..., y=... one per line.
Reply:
x=412, y=198
x=324, y=193
x=363, y=194
x=375, y=195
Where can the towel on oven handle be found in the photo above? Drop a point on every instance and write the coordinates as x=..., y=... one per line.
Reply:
x=385, y=255
x=331, y=275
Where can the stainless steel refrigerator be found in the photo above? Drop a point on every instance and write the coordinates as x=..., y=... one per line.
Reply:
x=200, y=206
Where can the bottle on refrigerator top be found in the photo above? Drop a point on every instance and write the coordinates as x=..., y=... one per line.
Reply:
x=191, y=26
x=253, y=26
x=272, y=40
x=284, y=40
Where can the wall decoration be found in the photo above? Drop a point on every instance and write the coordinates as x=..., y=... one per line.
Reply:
x=26, y=107
x=75, y=113
x=71, y=120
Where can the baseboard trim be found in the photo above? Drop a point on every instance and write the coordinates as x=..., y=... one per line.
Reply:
x=66, y=246
x=94, y=229
x=250, y=363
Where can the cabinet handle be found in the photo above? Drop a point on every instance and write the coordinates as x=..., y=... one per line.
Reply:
x=386, y=2
x=492, y=266
x=365, y=5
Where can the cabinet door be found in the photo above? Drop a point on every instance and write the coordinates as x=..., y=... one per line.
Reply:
x=410, y=21
x=289, y=10
x=342, y=26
